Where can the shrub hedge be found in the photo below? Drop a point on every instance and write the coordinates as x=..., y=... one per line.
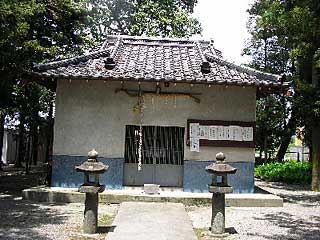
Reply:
x=288, y=172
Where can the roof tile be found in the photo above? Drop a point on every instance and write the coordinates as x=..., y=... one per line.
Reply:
x=156, y=59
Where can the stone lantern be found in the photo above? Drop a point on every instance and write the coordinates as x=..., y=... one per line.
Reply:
x=219, y=187
x=91, y=187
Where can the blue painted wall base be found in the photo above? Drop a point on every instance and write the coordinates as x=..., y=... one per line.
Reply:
x=196, y=179
x=64, y=174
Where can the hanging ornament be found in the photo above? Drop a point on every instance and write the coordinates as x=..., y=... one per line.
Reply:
x=141, y=106
x=140, y=149
x=152, y=103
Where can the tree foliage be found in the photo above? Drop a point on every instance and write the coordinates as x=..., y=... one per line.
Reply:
x=269, y=55
x=166, y=18
x=34, y=31
x=293, y=28
x=270, y=121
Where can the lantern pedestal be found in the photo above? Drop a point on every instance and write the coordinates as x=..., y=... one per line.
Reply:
x=90, y=221
x=90, y=213
x=218, y=213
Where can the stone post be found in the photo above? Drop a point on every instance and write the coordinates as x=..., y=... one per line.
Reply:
x=90, y=220
x=218, y=213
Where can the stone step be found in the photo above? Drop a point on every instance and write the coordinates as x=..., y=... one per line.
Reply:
x=162, y=189
x=44, y=194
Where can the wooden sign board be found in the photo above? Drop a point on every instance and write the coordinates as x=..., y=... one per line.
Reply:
x=220, y=134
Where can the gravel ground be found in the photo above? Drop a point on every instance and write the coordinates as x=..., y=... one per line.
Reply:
x=299, y=218
x=20, y=219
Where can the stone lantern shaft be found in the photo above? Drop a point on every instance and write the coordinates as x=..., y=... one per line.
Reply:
x=218, y=213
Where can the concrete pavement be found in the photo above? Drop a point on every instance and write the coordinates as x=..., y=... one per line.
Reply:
x=156, y=221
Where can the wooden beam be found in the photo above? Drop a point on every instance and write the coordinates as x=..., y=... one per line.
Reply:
x=135, y=93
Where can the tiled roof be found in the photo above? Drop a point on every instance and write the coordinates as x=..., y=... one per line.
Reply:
x=128, y=58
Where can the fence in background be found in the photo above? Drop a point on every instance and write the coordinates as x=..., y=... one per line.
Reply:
x=299, y=153
x=11, y=147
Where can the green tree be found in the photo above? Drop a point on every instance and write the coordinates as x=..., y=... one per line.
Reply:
x=166, y=18
x=32, y=104
x=34, y=31
x=109, y=17
x=5, y=103
x=274, y=127
x=271, y=124
x=295, y=24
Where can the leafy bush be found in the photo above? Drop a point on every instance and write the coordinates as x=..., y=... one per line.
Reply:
x=288, y=172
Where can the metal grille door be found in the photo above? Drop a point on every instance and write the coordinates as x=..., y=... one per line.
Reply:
x=162, y=155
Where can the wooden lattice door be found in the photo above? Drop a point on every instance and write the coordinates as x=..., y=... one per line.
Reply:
x=162, y=155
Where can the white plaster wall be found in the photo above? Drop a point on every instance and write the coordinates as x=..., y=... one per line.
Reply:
x=91, y=115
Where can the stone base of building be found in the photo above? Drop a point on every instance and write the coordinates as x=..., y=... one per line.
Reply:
x=64, y=173
x=195, y=178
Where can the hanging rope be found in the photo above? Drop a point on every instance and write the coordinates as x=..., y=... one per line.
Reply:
x=141, y=108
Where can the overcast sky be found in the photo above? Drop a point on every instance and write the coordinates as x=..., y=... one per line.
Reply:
x=225, y=22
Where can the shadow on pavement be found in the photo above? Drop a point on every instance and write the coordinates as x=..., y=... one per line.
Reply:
x=308, y=200
x=297, y=194
x=293, y=227
x=231, y=230
x=106, y=229
x=20, y=218
x=14, y=181
x=260, y=190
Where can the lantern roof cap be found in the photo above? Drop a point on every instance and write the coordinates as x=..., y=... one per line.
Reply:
x=220, y=167
x=92, y=165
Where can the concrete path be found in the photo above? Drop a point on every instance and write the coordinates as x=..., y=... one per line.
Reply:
x=156, y=221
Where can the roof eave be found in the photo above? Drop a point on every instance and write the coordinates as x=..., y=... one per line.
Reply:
x=260, y=86
x=73, y=60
